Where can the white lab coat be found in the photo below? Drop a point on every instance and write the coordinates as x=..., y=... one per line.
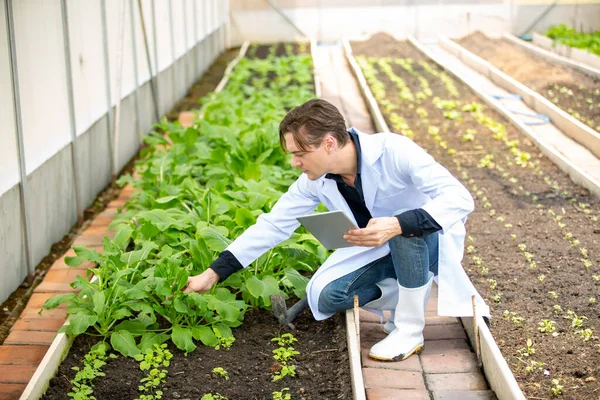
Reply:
x=396, y=175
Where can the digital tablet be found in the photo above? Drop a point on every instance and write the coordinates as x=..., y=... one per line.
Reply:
x=329, y=228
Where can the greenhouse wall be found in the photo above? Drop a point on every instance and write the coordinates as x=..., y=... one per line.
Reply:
x=184, y=38
x=328, y=20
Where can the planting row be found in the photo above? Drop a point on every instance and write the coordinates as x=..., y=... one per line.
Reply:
x=533, y=238
x=571, y=90
x=198, y=189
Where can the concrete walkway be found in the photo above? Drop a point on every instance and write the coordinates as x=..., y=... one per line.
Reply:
x=447, y=368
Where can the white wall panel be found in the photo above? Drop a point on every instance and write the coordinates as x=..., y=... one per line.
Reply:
x=143, y=71
x=87, y=62
x=116, y=10
x=190, y=23
x=179, y=28
x=9, y=163
x=163, y=35
x=209, y=18
x=42, y=79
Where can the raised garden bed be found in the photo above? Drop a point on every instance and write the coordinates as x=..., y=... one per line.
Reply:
x=533, y=239
x=199, y=188
x=571, y=90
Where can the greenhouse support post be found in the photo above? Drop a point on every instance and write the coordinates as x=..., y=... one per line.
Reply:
x=196, y=63
x=136, y=77
x=23, y=184
x=173, y=55
x=186, y=42
x=149, y=61
x=107, y=82
x=155, y=50
x=118, y=84
x=72, y=123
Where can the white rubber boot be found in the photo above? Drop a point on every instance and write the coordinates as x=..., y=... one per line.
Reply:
x=409, y=319
x=389, y=295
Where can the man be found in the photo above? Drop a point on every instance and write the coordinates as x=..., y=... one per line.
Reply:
x=410, y=212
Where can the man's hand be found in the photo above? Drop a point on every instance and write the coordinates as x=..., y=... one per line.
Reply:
x=201, y=283
x=377, y=232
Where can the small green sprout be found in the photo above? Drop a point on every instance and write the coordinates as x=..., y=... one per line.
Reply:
x=522, y=246
x=586, y=334
x=556, y=388
x=281, y=395
x=541, y=277
x=592, y=300
x=216, y=396
x=547, y=326
x=219, y=372
x=553, y=294
x=285, y=339
x=528, y=350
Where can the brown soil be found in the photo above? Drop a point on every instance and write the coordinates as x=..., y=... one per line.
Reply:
x=14, y=305
x=580, y=96
x=321, y=367
x=278, y=49
x=520, y=198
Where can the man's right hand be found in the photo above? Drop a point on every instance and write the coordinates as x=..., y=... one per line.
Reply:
x=201, y=283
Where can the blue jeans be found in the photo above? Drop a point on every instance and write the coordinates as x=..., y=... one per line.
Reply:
x=410, y=261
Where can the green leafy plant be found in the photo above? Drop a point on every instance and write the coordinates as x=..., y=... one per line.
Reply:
x=547, y=326
x=215, y=396
x=282, y=395
x=93, y=362
x=156, y=361
x=220, y=373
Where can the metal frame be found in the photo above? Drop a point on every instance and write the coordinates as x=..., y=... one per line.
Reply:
x=107, y=84
x=23, y=184
x=153, y=85
x=136, y=94
x=73, y=127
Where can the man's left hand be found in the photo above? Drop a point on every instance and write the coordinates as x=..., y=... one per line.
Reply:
x=377, y=232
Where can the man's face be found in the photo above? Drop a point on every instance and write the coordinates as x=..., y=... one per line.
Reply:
x=314, y=162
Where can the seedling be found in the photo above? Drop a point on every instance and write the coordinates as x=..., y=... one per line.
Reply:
x=220, y=372
x=223, y=342
x=547, y=326
x=556, y=388
x=283, y=354
x=285, y=371
x=285, y=339
x=216, y=396
x=528, y=350
x=586, y=334
x=553, y=294
x=282, y=395
x=541, y=277
x=493, y=284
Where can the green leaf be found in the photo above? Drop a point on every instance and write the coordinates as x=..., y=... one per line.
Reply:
x=164, y=200
x=157, y=217
x=252, y=171
x=74, y=261
x=182, y=337
x=57, y=300
x=99, y=300
x=133, y=327
x=244, y=218
x=135, y=256
x=297, y=281
x=205, y=335
x=122, y=236
x=213, y=239
x=181, y=307
x=255, y=286
x=149, y=339
x=123, y=342
x=80, y=323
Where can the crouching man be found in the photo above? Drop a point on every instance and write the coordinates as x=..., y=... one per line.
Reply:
x=410, y=212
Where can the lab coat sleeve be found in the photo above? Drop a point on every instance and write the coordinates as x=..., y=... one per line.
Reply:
x=278, y=225
x=450, y=200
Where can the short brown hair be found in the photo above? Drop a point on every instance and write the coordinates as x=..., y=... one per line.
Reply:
x=310, y=122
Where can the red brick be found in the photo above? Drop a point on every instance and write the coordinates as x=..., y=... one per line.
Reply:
x=439, y=320
x=101, y=221
x=370, y=334
x=438, y=332
x=388, y=394
x=37, y=300
x=38, y=323
x=410, y=364
x=16, y=373
x=463, y=361
x=89, y=241
x=56, y=313
x=445, y=346
x=376, y=378
x=54, y=287
x=463, y=381
x=11, y=391
x=186, y=118
x=117, y=203
x=30, y=337
x=63, y=275
x=465, y=395
x=22, y=355
x=109, y=212
x=96, y=230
